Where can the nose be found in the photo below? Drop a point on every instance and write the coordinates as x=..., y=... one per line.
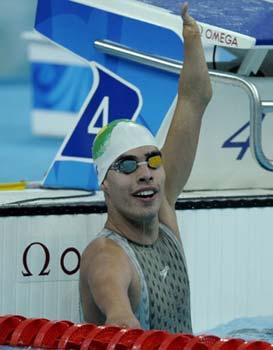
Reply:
x=144, y=173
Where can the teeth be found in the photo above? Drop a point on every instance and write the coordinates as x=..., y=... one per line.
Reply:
x=146, y=193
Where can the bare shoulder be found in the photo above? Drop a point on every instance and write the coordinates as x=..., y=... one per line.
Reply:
x=103, y=250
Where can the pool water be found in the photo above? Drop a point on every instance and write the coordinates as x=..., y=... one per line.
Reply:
x=252, y=328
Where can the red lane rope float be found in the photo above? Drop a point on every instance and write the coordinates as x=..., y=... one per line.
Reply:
x=150, y=340
x=208, y=340
x=74, y=336
x=196, y=344
x=7, y=327
x=9, y=316
x=124, y=339
x=255, y=345
x=175, y=342
x=227, y=344
x=99, y=338
x=16, y=330
x=50, y=334
x=26, y=331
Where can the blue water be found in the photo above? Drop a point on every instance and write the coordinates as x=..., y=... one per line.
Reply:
x=251, y=328
x=249, y=17
x=23, y=156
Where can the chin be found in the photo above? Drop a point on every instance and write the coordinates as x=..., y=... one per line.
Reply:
x=145, y=215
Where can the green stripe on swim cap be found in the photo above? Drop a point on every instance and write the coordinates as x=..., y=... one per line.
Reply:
x=103, y=136
x=115, y=139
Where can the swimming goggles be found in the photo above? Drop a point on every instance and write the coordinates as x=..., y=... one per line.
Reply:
x=128, y=165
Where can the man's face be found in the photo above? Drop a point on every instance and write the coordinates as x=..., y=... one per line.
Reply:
x=136, y=196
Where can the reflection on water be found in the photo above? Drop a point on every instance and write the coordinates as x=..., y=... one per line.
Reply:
x=251, y=328
x=252, y=334
x=242, y=16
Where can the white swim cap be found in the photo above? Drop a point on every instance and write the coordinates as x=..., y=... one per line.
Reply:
x=115, y=139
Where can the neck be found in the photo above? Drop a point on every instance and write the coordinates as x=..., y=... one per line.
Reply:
x=143, y=232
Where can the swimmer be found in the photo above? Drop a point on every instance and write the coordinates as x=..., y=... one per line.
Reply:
x=134, y=273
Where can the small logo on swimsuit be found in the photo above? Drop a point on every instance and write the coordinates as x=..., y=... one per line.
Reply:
x=163, y=273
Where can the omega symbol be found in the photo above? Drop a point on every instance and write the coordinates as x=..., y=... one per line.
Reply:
x=45, y=270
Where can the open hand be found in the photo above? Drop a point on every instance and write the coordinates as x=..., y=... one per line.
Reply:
x=189, y=24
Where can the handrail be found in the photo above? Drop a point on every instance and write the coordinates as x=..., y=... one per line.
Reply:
x=267, y=105
x=174, y=66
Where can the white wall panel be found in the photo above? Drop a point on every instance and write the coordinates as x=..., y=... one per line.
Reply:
x=54, y=295
x=229, y=255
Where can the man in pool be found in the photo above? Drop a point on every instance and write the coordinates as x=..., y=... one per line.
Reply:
x=134, y=273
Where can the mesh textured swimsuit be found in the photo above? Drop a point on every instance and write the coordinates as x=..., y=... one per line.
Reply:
x=165, y=290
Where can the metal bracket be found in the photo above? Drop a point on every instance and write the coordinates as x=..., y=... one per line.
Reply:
x=169, y=65
x=252, y=61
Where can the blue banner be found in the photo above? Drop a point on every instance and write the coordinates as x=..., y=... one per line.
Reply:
x=120, y=88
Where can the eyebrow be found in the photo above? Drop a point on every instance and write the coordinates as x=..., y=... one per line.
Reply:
x=153, y=153
x=147, y=155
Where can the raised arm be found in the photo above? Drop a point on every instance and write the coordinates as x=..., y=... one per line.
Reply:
x=194, y=94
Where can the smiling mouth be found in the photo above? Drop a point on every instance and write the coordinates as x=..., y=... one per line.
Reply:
x=147, y=194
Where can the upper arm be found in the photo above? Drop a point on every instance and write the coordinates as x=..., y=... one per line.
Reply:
x=178, y=155
x=180, y=147
x=106, y=270
x=168, y=217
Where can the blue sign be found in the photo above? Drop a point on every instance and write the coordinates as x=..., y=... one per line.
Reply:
x=120, y=88
x=60, y=87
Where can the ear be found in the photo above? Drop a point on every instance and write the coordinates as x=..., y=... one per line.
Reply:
x=104, y=187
